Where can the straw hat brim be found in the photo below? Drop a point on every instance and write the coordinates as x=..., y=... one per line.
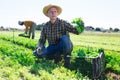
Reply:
x=46, y=8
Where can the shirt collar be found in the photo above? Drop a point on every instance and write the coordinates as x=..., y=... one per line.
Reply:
x=57, y=20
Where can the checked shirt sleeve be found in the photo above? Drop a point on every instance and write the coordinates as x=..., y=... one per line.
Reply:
x=42, y=39
x=71, y=28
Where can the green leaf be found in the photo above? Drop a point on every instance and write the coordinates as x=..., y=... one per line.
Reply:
x=80, y=24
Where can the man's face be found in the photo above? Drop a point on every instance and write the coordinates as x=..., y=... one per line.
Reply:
x=52, y=13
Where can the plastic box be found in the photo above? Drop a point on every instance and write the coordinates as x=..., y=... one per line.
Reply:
x=90, y=66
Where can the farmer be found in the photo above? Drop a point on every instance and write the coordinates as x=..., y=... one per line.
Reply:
x=56, y=31
x=30, y=27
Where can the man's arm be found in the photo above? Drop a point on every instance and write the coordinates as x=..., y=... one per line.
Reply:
x=74, y=29
x=42, y=39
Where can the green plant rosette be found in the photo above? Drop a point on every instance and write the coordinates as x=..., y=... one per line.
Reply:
x=79, y=24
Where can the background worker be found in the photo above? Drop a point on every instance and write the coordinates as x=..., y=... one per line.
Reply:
x=29, y=27
x=56, y=31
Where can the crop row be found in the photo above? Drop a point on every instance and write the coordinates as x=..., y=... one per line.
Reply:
x=106, y=47
x=112, y=61
x=19, y=53
x=17, y=62
x=7, y=40
x=107, y=42
x=28, y=43
x=91, y=52
x=77, y=50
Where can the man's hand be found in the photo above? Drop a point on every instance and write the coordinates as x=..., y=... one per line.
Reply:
x=39, y=50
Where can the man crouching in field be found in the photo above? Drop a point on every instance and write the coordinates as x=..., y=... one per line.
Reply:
x=30, y=26
x=56, y=31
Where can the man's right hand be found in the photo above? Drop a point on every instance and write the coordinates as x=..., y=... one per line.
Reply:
x=39, y=50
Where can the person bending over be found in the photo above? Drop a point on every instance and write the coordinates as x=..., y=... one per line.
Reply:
x=29, y=27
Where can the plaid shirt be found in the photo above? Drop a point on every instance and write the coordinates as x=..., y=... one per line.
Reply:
x=54, y=32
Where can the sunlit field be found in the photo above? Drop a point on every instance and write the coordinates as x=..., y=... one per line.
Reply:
x=18, y=63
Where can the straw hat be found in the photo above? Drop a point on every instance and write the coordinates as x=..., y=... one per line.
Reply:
x=46, y=8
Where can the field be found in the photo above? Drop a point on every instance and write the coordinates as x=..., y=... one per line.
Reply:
x=18, y=63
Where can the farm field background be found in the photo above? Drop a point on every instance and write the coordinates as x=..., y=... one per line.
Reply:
x=17, y=61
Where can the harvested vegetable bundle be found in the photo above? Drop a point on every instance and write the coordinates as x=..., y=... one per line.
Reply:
x=79, y=24
x=87, y=52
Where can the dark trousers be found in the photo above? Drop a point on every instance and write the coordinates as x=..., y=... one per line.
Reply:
x=54, y=51
x=32, y=30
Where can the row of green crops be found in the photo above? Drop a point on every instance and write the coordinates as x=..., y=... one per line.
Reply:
x=24, y=47
x=17, y=62
x=108, y=42
x=19, y=53
x=29, y=43
x=7, y=39
x=88, y=51
x=113, y=61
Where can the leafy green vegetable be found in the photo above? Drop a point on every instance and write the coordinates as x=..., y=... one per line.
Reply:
x=87, y=52
x=79, y=23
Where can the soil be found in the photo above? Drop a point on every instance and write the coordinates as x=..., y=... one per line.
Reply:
x=112, y=76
